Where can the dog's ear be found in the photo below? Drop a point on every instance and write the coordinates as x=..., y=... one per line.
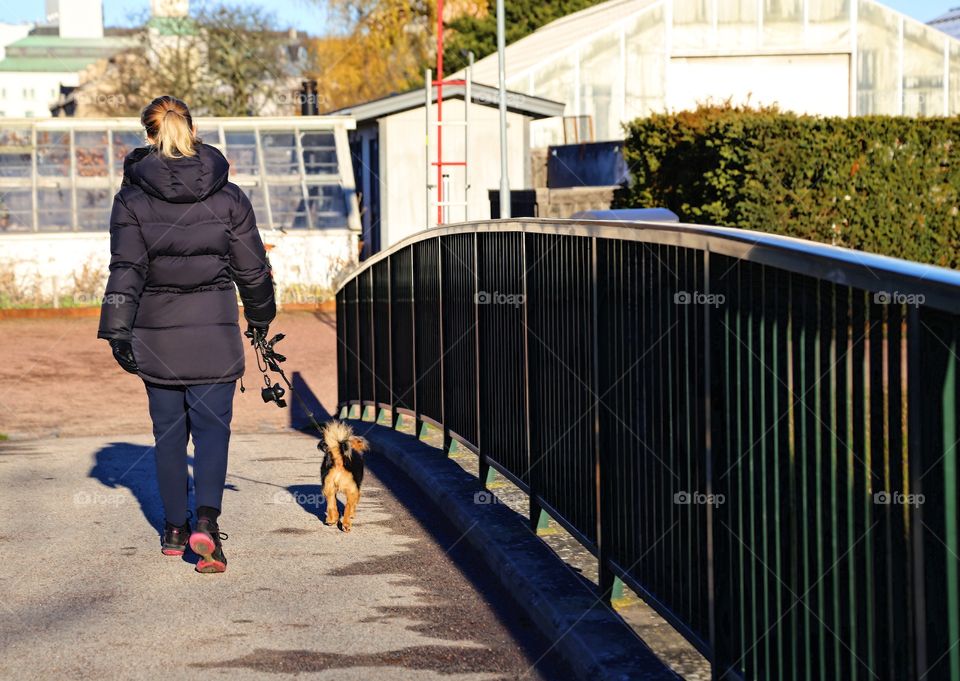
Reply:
x=358, y=444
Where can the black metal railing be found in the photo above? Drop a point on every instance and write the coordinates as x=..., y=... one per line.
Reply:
x=756, y=433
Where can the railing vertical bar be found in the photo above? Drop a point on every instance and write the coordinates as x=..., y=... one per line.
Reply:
x=373, y=331
x=844, y=582
x=442, y=349
x=863, y=485
x=417, y=424
x=708, y=467
x=671, y=514
x=658, y=491
x=889, y=653
x=393, y=392
x=356, y=346
x=916, y=404
x=761, y=478
x=483, y=466
x=605, y=573
x=901, y=572
x=534, y=506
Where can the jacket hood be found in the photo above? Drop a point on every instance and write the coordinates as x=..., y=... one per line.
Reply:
x=177, y=180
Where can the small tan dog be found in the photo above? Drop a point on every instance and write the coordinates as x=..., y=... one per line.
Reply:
x=341, y=470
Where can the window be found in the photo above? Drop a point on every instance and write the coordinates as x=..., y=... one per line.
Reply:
x=280, y=153
x=61, y=175
x=16, y=210
x=319, y=153
x=90, y=150
x=242, y=152
x=15, y=154
x=53, y=153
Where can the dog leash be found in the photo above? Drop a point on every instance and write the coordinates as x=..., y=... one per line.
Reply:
x=269, y=359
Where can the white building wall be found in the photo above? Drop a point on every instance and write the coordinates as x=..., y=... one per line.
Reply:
x=30, y=94
x=403, y=160
x=80, y=18
x=808, y=84
x=10, y=33
x=305, y=264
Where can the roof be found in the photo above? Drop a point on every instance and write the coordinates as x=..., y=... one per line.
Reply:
x=948, y=22
x=535, y=107
x=53, y=54
x=534, y=48
x=56, y=42
x=46, y=64
x=181, y=26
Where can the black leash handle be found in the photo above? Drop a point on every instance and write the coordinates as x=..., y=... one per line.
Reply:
x=271, y=360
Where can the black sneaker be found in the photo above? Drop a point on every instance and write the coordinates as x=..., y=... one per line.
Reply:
x=205, y=542
x=175, y=539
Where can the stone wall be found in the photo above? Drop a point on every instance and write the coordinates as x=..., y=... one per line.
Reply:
x=562, y=203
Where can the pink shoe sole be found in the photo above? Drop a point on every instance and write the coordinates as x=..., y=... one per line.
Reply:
x=203, y=547
x=172, y=552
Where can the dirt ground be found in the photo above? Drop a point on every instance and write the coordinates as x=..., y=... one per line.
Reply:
x=59, y=379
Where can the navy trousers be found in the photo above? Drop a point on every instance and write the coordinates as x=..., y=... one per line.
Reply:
x=204, y=411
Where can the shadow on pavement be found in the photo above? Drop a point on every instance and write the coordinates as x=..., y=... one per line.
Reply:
x=124, y=464
x=298, y=415
x=310, y=499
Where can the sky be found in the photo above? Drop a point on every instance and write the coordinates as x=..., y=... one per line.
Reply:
x=306, y=15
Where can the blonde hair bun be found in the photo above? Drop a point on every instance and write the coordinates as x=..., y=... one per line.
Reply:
x=168, y=122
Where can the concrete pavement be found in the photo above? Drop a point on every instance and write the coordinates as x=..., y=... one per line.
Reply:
x=86, y=592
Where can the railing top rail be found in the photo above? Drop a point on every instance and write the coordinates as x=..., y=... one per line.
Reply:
x=938, y=286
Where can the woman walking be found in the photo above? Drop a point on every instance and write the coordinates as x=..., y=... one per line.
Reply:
x=181, y=238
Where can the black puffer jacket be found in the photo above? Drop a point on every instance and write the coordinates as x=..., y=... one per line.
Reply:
x=181, y=236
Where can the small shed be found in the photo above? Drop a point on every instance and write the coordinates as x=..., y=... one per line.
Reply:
x=390, y=153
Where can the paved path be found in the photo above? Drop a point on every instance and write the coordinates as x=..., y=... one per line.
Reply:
x=86, y=592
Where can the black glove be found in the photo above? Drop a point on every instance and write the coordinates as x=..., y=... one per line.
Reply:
x=123, y=353
x=256, y=334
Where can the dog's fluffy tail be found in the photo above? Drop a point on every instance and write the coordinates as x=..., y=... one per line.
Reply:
x=341, y=441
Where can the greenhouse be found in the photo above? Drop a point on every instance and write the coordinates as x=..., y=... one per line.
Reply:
x=627, y=58
x=60, y=175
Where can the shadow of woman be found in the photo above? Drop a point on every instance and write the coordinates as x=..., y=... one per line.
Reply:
x=124, y=464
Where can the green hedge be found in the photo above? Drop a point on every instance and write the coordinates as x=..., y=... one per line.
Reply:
x=879, y=184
